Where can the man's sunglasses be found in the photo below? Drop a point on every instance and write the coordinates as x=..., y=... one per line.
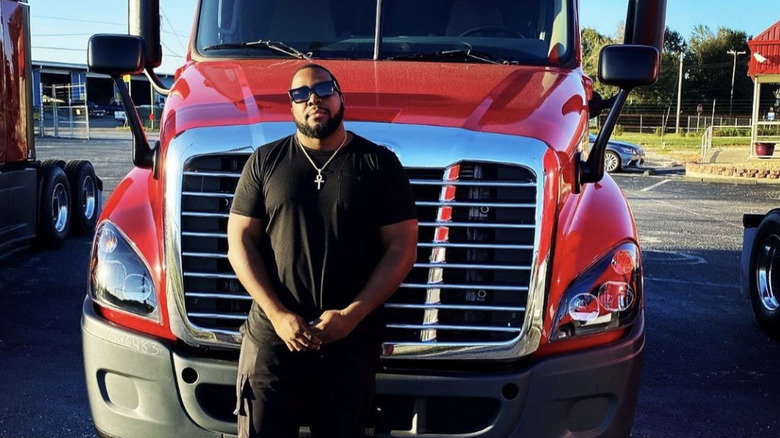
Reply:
x=322, y=89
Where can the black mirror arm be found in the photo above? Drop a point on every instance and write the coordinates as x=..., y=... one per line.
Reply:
x=609, y=103
x=592, y=170
x=143, y=155
x=597, y=104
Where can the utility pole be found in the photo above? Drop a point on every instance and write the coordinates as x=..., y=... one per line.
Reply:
x=733, y=73
x=679, y=97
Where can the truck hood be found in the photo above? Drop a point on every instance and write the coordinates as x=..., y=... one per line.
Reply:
x=545, y=103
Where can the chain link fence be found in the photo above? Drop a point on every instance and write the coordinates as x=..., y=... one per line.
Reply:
x=63, y=112
x=695, y=116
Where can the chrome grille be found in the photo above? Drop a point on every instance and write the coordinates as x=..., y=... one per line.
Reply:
x=213, y=297
x=471, y=280
x=474, y=257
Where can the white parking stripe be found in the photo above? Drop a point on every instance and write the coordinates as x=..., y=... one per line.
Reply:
x=647, y=189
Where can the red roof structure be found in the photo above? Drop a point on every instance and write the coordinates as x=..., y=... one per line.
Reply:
x=765, y=52
x=764, y=68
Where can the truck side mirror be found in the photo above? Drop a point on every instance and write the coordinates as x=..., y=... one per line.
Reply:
x=645, y=23
x=115, y=55
x=629, y=66
x=118, y=55
x=143, y=20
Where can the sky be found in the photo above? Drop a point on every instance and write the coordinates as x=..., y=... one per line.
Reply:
x=750, y=16
x=61, y=28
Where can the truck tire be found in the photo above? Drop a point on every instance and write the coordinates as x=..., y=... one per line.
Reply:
x=54, y=213
x=764, y=274
x=84, y=195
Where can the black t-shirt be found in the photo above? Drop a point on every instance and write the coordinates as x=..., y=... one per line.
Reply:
x=321, y=246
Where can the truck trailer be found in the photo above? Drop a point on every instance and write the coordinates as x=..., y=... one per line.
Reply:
x=40, y=201
x=524, y=313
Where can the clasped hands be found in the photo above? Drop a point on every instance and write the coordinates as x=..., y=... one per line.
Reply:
x=299, y=335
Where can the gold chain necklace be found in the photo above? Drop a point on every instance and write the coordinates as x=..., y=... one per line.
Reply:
x=319, y=179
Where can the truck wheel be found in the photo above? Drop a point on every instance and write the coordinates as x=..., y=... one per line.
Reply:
x=765, y=274
x=611, y=161
x=84, y=190
x=54, y=216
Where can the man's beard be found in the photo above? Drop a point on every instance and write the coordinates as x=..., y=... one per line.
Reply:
x=321, y=130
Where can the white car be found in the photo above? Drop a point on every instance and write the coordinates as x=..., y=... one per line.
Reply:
x=120, y=117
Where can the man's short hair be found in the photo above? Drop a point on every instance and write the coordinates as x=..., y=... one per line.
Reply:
x=317, y=66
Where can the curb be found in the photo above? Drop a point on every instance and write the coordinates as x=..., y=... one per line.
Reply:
x=731, y=173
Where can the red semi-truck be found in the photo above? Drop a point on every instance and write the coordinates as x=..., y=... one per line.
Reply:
x=41, y=201
x=523, y=315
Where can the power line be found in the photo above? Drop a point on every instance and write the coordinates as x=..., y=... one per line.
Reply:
x=57, y=48
x=172, y=54
x=78, y=20
x=170, y=51
x=162, y=11
x=61, y=34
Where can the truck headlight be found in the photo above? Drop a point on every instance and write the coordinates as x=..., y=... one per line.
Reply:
x=606, y=296
x=119, y=278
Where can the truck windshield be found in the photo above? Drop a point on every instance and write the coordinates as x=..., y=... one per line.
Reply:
x=535, y=32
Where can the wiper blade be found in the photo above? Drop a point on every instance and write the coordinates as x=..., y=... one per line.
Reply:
x=276, y=46
x=462, y=54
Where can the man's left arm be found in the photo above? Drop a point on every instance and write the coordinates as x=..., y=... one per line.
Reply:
x=399, y=241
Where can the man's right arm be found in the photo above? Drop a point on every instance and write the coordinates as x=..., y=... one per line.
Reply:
x=244, y=233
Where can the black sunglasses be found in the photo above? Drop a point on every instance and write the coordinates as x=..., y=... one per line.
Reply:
x=322, y=89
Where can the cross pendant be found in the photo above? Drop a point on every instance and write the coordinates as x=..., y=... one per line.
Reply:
x=319, y=180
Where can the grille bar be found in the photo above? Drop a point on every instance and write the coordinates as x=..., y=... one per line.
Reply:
x=219, y=296
x=472, y=204
x=214, y=174
x=208, y=195
x=215, y=255
x=212, y=235
x=217, y=316
x=210, y=275
x=455, y=307
x=454, y=327
x=472, y=245
x=445, y=265
x=462, y=286
x=201, y=214
x=422, y=182
x=477, y=225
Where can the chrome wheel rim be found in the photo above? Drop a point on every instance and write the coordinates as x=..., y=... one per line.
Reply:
x=59, y=207
x=88, y=197
x=610, y=162
x=767, y=274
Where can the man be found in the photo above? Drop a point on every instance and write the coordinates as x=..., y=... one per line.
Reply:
x=321, y=232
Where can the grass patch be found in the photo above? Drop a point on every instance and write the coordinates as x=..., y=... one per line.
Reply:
x=672, y=142
x=682, y=149
x=688, y=149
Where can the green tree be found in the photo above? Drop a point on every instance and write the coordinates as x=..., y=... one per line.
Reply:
x=664, y=92
x=709, y=66
x=674, y=43
x=592, y=43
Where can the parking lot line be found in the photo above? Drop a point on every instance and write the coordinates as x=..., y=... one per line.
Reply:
x=647, y=189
